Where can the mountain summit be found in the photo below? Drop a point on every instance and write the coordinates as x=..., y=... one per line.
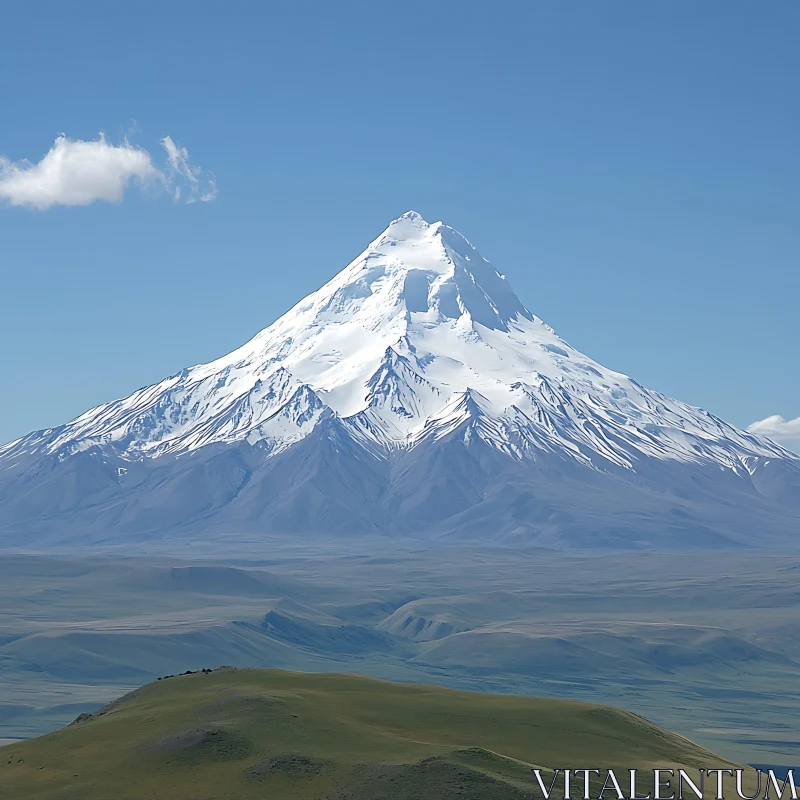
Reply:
x=413, y=394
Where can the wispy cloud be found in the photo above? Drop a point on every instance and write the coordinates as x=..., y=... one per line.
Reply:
x=202, y=186
x=77, y=173
x=777, y=428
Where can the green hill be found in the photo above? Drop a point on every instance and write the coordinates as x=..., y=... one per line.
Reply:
x=252, y=734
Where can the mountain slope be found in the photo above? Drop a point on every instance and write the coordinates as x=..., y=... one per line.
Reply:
x=245, y=733
x=412, y=394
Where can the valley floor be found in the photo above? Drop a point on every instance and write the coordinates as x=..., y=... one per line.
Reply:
x=706, y=645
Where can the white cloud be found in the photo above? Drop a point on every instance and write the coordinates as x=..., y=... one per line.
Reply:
x=777, y=428
x=77, y=173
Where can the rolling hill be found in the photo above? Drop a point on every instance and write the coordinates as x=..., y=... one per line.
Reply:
x=233, y=734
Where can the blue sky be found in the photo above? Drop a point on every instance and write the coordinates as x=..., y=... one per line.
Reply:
x=634, y=168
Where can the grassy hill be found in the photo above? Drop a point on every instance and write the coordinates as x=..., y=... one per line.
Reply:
x=247, y=734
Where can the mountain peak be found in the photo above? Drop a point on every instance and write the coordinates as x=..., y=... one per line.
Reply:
x=410, y=216
x=418, y=346
x=430, y=268
x=418, y=320
x=413, y=227
x=410, y=226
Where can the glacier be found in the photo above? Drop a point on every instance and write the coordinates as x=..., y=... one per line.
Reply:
x=413, y=396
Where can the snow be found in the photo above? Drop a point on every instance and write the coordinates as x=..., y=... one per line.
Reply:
x=418, y=337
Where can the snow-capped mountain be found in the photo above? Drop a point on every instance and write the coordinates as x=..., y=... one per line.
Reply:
x=416, y=359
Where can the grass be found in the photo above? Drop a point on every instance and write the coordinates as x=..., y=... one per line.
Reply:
x=246, y=734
